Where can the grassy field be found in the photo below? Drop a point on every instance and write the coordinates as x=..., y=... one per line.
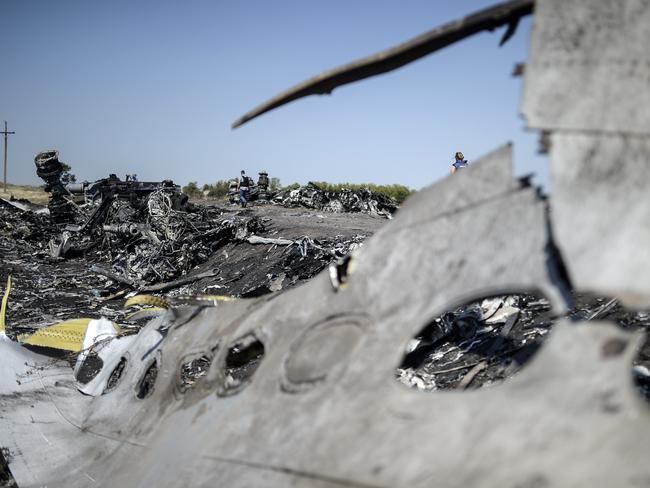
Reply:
x=32, y=193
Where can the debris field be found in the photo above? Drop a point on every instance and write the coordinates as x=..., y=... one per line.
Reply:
x=484, y=342
x=312, y=196
x=330, y=404
x=210, y=249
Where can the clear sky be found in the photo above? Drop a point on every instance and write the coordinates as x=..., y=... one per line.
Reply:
x=152, y=87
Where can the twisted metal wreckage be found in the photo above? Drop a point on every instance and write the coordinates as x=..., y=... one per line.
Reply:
x=320, y=406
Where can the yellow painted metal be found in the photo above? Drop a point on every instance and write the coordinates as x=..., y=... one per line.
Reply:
x=3, y=307
x=146, y=300
x=67, y=335
x=146, y=313
x=159, y=304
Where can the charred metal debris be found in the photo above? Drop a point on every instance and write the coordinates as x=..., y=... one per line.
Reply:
x=145, y=243
x=312, y=196
x=340, y=340
x=484, y=342
x=466, y=284
x=105, y=239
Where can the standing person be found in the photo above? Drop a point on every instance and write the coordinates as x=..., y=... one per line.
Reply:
x=244, y=182
x=460, y=162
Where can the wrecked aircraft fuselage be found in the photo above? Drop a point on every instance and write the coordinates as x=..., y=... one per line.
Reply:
x=99, y=195
x=326, y=373
x=300, y=387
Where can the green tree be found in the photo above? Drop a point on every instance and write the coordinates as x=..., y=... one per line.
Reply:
x=219, y=189
x=192, y=190
x=66, y=175
x=274, y=184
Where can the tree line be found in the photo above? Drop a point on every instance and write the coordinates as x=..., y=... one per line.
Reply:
x=219, y=189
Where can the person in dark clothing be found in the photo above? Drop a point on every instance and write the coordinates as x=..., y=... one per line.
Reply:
x=244, y=186
x=460, y=162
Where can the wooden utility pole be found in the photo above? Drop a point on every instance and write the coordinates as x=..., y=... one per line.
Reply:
x=6, y=133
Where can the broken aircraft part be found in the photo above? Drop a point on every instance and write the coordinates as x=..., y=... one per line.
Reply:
x=319, y=365
x=599, y=132
x=98, y=199
x=322, y=408
x=506, y=13
x=490, y=340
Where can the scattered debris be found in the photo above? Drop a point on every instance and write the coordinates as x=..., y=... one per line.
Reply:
x=311, y=196
x=480, y=343
x=82, y=207
x=192, y=370
x=25, y=205
x=485, y=342
x=241, y=362
x=146, y=367
x=576, y=390
x=197, y=251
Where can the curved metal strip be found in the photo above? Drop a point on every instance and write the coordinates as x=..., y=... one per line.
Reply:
x=396, y=57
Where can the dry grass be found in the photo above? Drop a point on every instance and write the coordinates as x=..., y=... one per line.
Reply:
x=32, y=193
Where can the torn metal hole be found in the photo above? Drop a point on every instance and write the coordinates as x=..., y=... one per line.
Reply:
x=243, y=358
x=461, y=349
x=115, y=376
x=90, y=368
x=145, y=387
x=192, y=370
x=477, y=344
x=340, y=271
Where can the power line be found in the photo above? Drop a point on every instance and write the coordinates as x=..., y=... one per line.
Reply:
x=6, y=133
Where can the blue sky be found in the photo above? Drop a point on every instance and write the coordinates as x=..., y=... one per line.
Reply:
x=152, y=87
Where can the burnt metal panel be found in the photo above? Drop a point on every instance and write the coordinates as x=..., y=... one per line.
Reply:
x=587, y=83
x=601, y=211
x=589, y=66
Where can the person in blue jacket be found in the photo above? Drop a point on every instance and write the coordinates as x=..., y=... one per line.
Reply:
x=459, y=163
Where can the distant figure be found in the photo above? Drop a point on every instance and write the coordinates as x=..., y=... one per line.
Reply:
x=263, y=180
x=132, y=177
x=244, y=185
x=233, y=191
x=459, y=163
